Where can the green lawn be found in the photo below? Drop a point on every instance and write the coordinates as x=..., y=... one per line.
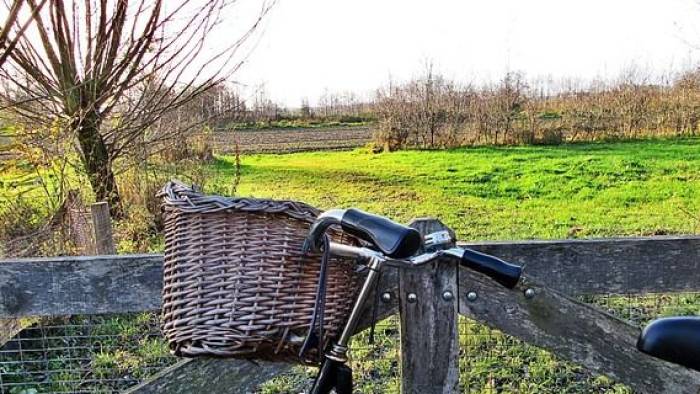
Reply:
x=580, y=190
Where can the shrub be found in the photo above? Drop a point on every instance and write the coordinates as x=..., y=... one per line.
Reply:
x=194, y=146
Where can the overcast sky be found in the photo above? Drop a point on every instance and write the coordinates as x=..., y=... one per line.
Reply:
x=357, y=45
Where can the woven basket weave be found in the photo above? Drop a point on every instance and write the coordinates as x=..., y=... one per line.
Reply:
x=235, y=281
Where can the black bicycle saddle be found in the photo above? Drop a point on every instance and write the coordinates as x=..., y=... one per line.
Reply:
x=392, y=239
x=674, y=339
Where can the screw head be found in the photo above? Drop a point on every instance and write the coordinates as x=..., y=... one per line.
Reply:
x=447, y=295
x=386, y=297
x=472, y=296
x=529, y=293
x=412, y=298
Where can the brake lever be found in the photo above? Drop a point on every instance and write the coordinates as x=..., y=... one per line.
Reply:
x=438, y=238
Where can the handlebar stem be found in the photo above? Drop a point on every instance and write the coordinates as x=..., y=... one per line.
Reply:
x=375, y=265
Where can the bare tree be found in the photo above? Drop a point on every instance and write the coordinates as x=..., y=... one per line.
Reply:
x=305, y=108
x=107, y=70
x=7, y=40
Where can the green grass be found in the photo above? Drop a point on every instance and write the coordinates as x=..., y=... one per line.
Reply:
x=577, y=190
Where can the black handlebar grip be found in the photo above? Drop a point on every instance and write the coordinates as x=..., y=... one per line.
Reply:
x=506, y=274
x=392, y=239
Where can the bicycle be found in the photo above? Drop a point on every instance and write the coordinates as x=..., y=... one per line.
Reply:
x=389, y=244
x=675, y=339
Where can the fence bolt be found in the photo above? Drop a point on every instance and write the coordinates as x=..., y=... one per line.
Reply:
x=529, y=293
x=412, y=297
x=447, y=295
x=472, y=296
x=386, y=297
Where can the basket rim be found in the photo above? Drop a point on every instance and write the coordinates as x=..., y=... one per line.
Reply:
x=189, y=199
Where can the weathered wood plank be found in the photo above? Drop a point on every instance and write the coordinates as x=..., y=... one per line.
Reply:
x=210, y=375
x=80, y=285
x=130, y=283
x=573, y=331
x=108, y=284
x=11, y=327
x=429, y=336
x=606, y=266
x=102, y=227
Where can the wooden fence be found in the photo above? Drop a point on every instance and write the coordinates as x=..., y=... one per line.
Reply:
x=541, y=311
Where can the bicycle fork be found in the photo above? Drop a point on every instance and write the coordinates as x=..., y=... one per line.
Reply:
x=334, y=373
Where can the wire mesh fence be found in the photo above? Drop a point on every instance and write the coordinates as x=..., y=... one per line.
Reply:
x=491, y=362
x=376, y=365
x=83, y=354
x=109, y=353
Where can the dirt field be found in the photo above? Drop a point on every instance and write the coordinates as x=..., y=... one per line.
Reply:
x=291, y=140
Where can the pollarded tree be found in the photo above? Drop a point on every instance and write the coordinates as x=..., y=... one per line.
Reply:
x=13, y=27
x=107, y=70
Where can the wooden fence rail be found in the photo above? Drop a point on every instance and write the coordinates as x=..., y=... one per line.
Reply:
x=132, y=283
x=551, y=319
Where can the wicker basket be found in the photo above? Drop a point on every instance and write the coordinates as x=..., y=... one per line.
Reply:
x=236, y=283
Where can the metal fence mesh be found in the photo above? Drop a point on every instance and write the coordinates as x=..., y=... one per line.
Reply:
x=491, y=362
x=83, y=354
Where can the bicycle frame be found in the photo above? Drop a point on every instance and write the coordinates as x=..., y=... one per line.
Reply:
x=375, y=261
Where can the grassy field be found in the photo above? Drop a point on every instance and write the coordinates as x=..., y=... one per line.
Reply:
x=578, y=190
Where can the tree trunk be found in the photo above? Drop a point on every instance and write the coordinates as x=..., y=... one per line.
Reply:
x=98, y=164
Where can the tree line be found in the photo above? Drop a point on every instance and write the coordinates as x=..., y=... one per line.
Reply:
x=432, y=111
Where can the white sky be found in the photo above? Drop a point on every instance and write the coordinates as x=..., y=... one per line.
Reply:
x=356, y=45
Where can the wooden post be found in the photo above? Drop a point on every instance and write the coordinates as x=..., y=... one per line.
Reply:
x=428, y=307
x=80, y=230
x=102, y=227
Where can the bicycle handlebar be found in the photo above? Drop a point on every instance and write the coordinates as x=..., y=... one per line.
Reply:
x=504, y=273
x=396, y=244
x=393, y=239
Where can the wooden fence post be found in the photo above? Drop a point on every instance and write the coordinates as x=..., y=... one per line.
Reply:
x=428, y=308
x=102, y=227
x=77, y=221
